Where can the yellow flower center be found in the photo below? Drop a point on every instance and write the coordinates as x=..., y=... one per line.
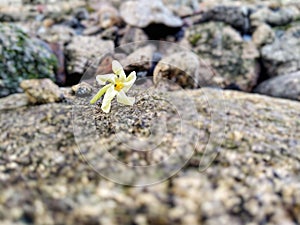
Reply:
x=118, y=85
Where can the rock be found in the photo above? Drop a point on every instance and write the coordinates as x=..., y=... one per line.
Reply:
x=223, y=48
x=82, y=89
x=285, y=86
x=283, y=55
x=41, y=91
x=85, y=52
x=237, y=17
x=256, y=168
x=110, y=34
x=183, y=8
x=143, y=13
x=57, y=33
x=132, y=35
x=108, y=16
x=139, y=60
x=13, y=101
x=280, y=17
x=184, y=69
x=263, y=35
x=22, y=57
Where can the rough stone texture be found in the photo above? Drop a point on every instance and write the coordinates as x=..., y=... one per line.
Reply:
x=143, y=13
x=224, y=49
x=262, y=35
x=280, y=17
x=237, y=17
x=254, y=179
x=184, y=69
x=285, y=86
x=140, y=60
x=84, y=51
x=283, y=55
x=57, y=33
x=40, y=91
x=22, y=57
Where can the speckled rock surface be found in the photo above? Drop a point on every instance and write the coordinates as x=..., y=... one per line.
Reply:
x=40, y=91
x=285, y=86
x=224, y=49
x=22, y=57
x=283, y=55
x=84, y=51
x=254, y=179
x=185, y=69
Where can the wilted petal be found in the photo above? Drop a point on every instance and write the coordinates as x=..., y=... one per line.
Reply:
x=102, y=79
x=129, y=81
x=118, y=69
x=100, y=93
x=106, y=103
x=123, y=99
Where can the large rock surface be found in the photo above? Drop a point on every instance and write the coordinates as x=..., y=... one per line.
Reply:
x=254, y=179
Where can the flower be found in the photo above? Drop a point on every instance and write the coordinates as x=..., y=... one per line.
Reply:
x=118, y=85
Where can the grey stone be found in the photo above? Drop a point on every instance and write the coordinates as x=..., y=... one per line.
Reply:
x=283, y=55
x=222, y=47
x=143, y=13
x=84, y=52
x=285, y=86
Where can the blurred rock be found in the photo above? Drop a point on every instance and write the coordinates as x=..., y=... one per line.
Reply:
x=41, y=91
x=223, y=48
x=280, y=17
x=108, y=16
x=143, y=13
x=285, y=86
x=130, y=38
x=263, y=35
x=57, y=33
x=237, y=17
x=84, y=52
x=283, y=55
x=183, y=69
x=139, y=60
x=182, y=8
x=13, y=101
x=22, y=57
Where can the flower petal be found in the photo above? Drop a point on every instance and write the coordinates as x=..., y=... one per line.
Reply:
x=118, y=69
x=108, y=97
x=102, y=79
x=123, y=99
x=129, y=81
x=99, y=94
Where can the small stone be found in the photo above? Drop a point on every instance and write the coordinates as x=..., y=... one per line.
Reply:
x=82, y=90
x=40, y=91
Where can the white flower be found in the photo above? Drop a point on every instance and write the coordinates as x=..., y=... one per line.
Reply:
x=118, y=85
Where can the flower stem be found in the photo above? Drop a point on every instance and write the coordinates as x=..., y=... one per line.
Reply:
x=99, y=94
